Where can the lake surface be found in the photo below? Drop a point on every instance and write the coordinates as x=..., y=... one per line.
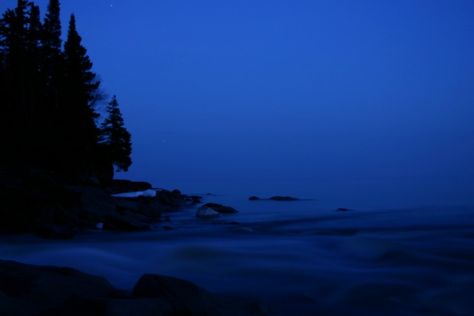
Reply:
x=300, y=257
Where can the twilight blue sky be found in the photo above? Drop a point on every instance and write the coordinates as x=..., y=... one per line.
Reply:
x=291, y=90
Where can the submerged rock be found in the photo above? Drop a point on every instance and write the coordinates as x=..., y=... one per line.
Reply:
x=254, y=198
x=343, y=209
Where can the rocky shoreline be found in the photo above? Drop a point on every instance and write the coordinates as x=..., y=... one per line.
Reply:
x=55, y=208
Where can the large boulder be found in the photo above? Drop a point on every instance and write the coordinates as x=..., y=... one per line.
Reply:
x=50, y=283
x=35, y=290
x=139, y=307
x=185, y=297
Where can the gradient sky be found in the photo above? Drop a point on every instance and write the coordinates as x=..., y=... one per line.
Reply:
x=290, y=90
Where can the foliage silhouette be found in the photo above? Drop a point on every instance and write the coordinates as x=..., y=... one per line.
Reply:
x=48, y=96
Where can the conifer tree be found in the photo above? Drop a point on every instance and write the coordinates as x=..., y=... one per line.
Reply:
x=52, y=27
x=34, y=140
x=81, y=89
x=15, y=106
x=115, y=137
x=34, y=31
x=48, y=95
x=52, y=54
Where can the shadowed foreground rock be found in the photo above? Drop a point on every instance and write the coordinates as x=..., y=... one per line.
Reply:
x=27, y=290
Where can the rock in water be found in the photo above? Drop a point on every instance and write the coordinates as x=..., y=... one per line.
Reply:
x=205, y=212
x=221, y=209
x=283, y=198
x=194, y=199
x=254, y=198
x=343, y=209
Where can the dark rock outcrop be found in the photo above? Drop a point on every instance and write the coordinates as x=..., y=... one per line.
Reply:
x=31, y=199
x=254, y=198
x=194, y=199
x=35, y=201
x=123, y=186
x=171, y=199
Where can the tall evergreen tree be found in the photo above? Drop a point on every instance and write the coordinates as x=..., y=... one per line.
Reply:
x=34, y=86
x=16, y=110
x=52, y=54
x=81, y=89
x=115, y=137
x=52, y=27
x=52, y=74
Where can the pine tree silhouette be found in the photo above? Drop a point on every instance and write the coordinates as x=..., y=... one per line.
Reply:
x=51, y=52
x=81, y=89
x=115, y=137
x=48, y=96
x=16, y=108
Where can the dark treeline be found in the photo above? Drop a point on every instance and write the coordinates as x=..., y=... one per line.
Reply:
x=48, y=98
